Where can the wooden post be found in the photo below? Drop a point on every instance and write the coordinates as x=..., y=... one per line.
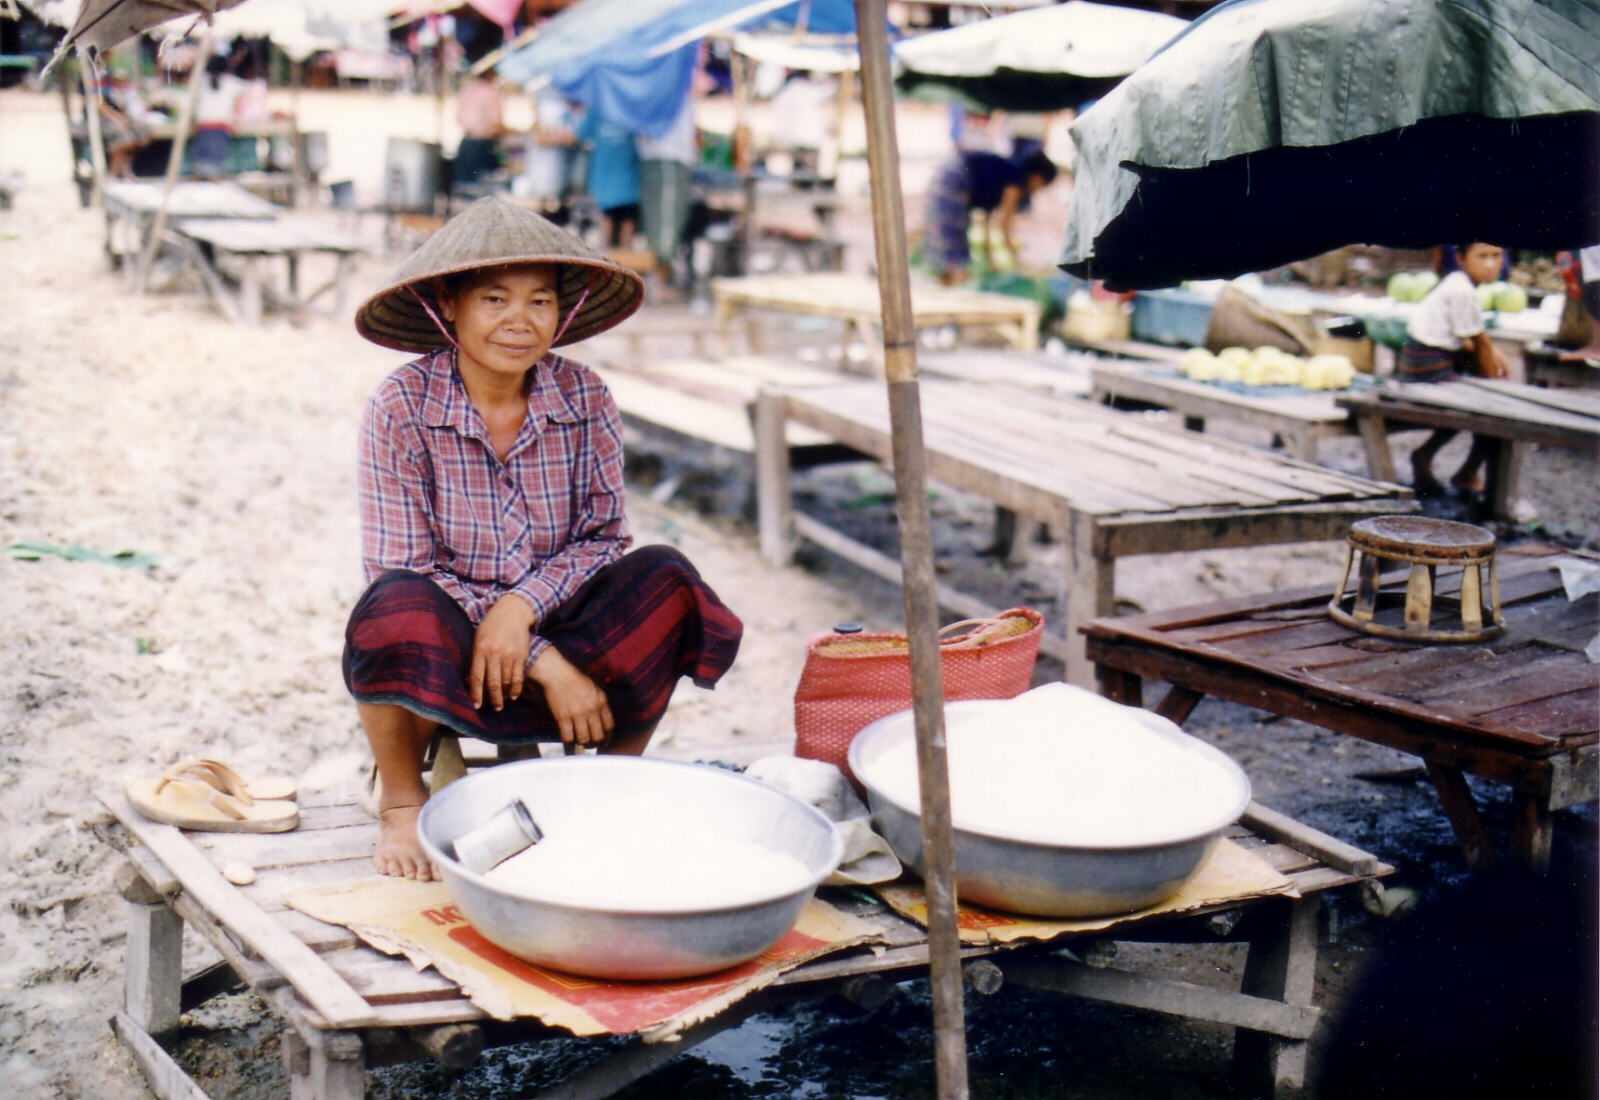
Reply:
x=153, y=968
x=91, y=120
x=175, y=161
x=916, y=550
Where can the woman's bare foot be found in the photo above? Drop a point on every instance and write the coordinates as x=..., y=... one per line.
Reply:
x=398, y=851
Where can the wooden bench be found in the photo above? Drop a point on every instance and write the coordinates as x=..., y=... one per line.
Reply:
x=854, y=300
x=1110, y=483
x=1518, y=709
x=708, y=399
x=349, y=1007
x=1510, y=413
x=131, y=207
x=233, y=257
x=1301, y=418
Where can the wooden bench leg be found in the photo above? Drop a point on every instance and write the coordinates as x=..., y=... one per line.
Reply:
x=1013, y=534
x=1281, y=966
x=1119, y=686
x=153, y=976
x=251, y=292
x=1375, y=438
x=1505, y=467
x=328, y=1065
x=774, y=506
x=1456, y=798
x=1090, y=583
x=1532, y=830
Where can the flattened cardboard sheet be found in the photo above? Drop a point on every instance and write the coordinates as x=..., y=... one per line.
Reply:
x=419, y=920
x=1229, y=873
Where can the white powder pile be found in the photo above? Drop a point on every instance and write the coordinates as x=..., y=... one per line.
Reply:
x=1061, y=765
x=647, y=867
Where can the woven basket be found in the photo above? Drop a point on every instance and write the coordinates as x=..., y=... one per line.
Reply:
x=850, y=680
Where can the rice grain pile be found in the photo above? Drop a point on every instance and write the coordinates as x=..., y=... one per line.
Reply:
x=1061, y=765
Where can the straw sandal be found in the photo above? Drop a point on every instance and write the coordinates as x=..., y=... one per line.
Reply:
x=208, y=796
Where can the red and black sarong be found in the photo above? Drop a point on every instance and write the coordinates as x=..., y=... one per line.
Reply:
x=634, y=628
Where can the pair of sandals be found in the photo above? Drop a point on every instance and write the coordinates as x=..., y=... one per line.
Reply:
x=208, y=796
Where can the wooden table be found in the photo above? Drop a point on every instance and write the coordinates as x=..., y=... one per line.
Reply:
x=349, y=1007
x=233, y=257
x=1519, y=709
x=1510, y=413
x=131, y=207
x=1302, y=418
x=1112, y=484
x=854, y=300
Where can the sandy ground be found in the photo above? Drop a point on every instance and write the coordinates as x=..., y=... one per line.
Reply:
x=152, y=425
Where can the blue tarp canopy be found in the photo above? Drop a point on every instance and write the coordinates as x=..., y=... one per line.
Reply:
x=631, y=60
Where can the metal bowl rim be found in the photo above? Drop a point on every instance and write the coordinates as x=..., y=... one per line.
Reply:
x=1229, y=764
x=441, y=859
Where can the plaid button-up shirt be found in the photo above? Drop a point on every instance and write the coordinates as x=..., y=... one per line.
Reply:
x=436, y=499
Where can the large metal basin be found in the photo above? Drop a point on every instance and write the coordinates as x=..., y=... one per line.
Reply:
x=1030, y=876
x=628, y=944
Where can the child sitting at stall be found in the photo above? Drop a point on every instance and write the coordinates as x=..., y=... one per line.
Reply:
x=1445, y=340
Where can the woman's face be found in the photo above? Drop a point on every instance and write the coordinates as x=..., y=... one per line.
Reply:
x=506, y=317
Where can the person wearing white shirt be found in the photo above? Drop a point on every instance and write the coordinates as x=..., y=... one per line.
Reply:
x=1445, y=340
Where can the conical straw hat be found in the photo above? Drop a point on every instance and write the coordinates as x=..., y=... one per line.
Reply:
x=489, y=233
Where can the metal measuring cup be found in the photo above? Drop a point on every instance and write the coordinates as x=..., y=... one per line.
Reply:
x=509, y=831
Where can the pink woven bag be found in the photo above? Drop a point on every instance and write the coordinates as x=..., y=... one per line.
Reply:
x=850, y=680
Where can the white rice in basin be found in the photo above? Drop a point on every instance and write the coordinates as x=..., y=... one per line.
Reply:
x=639, y=865
x=1061, y=765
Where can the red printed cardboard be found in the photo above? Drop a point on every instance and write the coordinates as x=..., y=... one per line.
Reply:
x=418, y=920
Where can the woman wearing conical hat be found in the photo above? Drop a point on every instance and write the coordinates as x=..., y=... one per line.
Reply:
x=503, y=602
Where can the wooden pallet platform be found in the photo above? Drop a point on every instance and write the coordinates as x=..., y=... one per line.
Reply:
x=349, y=1006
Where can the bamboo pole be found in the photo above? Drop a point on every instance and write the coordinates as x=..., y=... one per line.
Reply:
x=91, y=121
x=916, y=550
x=180, y=140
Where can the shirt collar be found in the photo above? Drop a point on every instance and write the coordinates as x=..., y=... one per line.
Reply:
x=445, y=403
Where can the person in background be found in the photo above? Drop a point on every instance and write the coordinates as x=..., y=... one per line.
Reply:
x=801, y=110
x=122, y=133
x=480, y=112
x=613, y=175
x=213, y=120
x=1445, y=340
x=666, y=164
x=989, y=184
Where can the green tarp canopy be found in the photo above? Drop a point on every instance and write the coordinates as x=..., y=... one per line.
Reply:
x=1272, y=130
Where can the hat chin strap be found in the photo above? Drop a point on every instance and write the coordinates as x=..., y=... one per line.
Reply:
x=583, y=296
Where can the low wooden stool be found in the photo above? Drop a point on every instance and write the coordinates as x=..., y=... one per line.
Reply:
x=1424, y=544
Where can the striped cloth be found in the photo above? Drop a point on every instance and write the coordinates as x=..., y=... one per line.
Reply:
x=1425, y=363
x=634, y=628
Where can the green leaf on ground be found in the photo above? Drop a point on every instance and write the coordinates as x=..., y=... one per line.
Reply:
x=23, y=550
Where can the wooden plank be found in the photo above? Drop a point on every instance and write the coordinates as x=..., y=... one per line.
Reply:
x=1572, y=712
x=164, y=1076
x=320, y=986
x=1313, y=842
x=268, y=850
x=1567, y=399
x=1114, y=986
x=1528, y=682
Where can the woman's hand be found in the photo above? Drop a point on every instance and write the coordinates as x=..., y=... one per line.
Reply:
x=500, y=652
x=577, y=702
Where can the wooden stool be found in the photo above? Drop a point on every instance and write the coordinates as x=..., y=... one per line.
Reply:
x=1424, y=544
